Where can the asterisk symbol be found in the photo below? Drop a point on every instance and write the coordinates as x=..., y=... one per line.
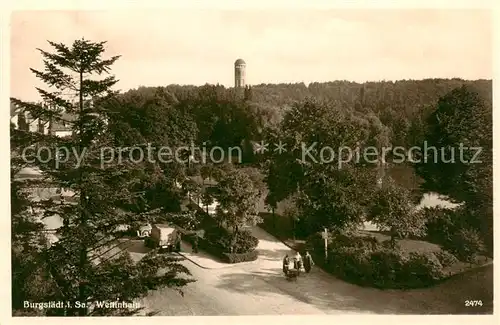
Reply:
x=261, y=147
x=280, y=147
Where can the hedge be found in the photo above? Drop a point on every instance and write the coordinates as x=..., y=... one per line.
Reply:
x=365, y=261
x=217, y=241
x=239, y=258
x=219, y=249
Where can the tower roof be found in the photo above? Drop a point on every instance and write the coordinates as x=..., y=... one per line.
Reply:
x=239, y=61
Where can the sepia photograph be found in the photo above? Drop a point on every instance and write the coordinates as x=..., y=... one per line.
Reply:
x=257, y=161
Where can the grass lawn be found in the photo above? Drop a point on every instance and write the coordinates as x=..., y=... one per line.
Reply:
x=407, y=245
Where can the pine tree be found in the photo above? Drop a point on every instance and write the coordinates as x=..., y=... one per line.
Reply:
x=89, y=263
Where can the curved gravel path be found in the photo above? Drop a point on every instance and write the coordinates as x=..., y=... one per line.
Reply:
x=260, y=288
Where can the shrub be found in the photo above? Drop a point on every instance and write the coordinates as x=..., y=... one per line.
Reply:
x=339, y=245
x=364, y=261
x=446, y=258
x=423, y=269
x=245, y=242
x=315, y=243
x=352, y=264
x=466, y=244
x=207, y=246
x=218, y=242
x=239, y=258
x=442, y=224
x=387, y=268
x=440, y=229
x=217, y=236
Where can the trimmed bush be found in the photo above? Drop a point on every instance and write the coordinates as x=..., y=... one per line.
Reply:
x=245, y=242
x=388, y=269
x=207, y=246
x=242, y=243
x=446, y=258
x=422, y=269
x=349, y=263
x=217, y=242
x=217, y=236
x=239, y=258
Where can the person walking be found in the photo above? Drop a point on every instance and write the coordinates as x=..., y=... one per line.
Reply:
x=286, y=264
x=297, y=262
x=308, y=262
x=195, y=244
x=178, y=242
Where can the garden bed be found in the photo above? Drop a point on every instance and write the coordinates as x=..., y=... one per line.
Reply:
x=413, y=264
x=221, y=252
x=368, y=260
x=422, y=246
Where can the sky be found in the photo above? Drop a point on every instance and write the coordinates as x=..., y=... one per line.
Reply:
x=185, y=46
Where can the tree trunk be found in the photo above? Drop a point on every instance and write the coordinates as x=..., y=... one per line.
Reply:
x=83, y=250
x=393, y=239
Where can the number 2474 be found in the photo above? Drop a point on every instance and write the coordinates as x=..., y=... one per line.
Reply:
x=473, y=303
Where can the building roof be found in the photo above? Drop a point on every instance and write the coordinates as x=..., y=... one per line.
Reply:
x=29, y=173
x=60, y=125
x=239, y=61
x=162, y=225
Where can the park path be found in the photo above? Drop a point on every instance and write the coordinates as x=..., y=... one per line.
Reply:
x=259, y=288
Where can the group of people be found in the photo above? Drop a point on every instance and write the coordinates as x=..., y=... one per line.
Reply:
x=298, y=262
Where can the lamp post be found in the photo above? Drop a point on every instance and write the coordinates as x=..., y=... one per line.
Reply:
x=325, y=237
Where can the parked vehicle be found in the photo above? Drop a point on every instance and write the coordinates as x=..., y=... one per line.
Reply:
x=164, y=236
x=144, y=231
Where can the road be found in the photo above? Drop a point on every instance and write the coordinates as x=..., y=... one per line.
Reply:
x=259, y=288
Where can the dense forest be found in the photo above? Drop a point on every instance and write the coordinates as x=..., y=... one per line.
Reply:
x=226, y=116
x=393, y=102
x=383, y=114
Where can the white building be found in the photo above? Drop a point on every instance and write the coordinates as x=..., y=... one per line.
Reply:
x=24, y=121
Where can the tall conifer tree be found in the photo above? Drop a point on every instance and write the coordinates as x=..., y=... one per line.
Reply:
x=88, y=262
